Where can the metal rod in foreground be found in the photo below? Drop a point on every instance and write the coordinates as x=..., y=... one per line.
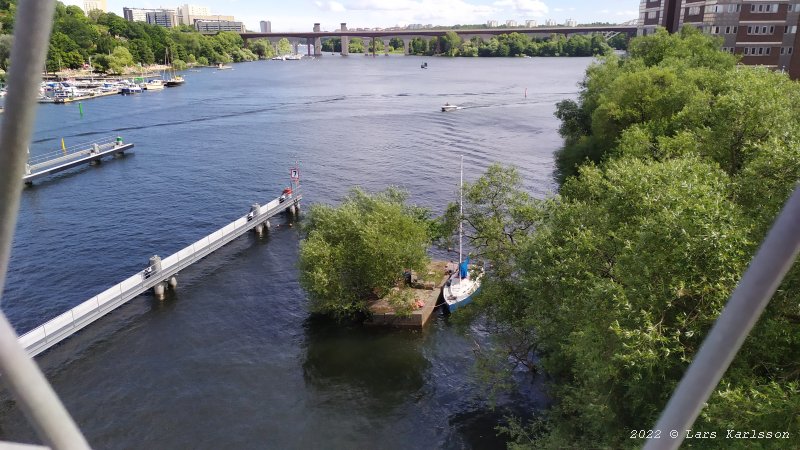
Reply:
x=27, y=383
x=765, y=273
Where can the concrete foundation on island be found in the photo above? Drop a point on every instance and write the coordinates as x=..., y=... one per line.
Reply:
x=429, y=293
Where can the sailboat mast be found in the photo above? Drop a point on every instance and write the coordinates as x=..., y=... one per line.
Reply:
x=461, y=209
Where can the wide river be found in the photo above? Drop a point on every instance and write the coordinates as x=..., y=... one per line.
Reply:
x=233, y=359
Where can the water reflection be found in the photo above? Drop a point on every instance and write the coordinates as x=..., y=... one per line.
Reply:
x=383, y=367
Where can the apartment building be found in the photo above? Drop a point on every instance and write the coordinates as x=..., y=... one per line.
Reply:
x=215, y=26
x=166, y=18
x=763, y=32
x=91, y=5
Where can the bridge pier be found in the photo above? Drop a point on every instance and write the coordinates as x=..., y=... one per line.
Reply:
x=407, y=45
x=386, y=47
x=159, y=290
x=317, y=42
x=262, y=227
x=345, y=41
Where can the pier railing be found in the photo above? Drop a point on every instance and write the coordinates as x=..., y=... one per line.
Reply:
x=69, y=153
x=64, y=325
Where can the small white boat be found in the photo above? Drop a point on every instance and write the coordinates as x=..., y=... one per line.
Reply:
x=279, y=58
x=223, y=67
x=295, y=57
x=154, y=85
x=131, y=89
x=448, y=107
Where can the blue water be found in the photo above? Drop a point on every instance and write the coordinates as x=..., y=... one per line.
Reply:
x=234, y=358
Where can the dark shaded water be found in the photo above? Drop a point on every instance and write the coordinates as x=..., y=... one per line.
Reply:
x=234, y=358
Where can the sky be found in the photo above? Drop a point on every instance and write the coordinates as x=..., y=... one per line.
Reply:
x=300, y=15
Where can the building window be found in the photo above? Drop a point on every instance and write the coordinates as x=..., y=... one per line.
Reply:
x=652, y=14
x=769, y=8
x=761, y=30
x=746, y=50
x=734, y=8
x=789, y=50
x=694, y=10
x=714, y=30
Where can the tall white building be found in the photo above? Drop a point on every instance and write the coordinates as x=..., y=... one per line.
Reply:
x=491, y=24
x=571, y=23
x=90, y=5
x=511, y=23
x=531, y=23
x=186, y=13
x=266, y=26
x=550, y=23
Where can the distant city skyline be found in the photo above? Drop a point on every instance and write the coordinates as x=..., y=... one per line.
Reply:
x=302, y=14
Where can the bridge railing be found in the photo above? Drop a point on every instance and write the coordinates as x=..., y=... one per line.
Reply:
x=64, y=325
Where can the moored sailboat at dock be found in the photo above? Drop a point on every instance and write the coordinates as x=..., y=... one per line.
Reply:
x=174, y=79
x=461, y=287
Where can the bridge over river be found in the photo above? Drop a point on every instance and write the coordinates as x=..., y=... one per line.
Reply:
x=314, y=38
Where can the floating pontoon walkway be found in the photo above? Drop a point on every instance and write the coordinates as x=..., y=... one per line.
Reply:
x=157, y=276
x=62, y=160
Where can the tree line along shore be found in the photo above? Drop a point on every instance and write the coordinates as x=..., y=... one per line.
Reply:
x=107, y=43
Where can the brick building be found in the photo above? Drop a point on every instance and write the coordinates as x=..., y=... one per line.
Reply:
x=763, y=32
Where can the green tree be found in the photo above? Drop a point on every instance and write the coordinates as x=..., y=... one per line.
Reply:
x=450, y=43
x=419, y=46
x=397, y=43
x=356, y=45
x=333, y=45
x=262, y=47
x=179, y=64
x=359, y=249
x=619, y=41
x=6, y=41
x=681, y=162
x=284, y=47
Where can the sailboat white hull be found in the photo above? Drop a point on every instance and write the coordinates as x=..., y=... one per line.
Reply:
x=459, y=292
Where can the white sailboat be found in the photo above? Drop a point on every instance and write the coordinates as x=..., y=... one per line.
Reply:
x=460, y=287
x=174, y=79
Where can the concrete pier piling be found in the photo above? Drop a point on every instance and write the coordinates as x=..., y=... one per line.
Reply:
x=160, y=290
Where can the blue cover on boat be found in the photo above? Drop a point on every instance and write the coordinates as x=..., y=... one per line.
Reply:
x=462, y=268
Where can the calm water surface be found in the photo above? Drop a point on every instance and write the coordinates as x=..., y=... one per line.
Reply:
x=234, y=358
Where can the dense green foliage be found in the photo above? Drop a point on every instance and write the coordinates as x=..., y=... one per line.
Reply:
x=78, y=39
x=514, y=44
x=357, y=45
x=682, y=161
x=359, y=250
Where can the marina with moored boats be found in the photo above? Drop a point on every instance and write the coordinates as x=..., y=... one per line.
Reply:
x=72, y=90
